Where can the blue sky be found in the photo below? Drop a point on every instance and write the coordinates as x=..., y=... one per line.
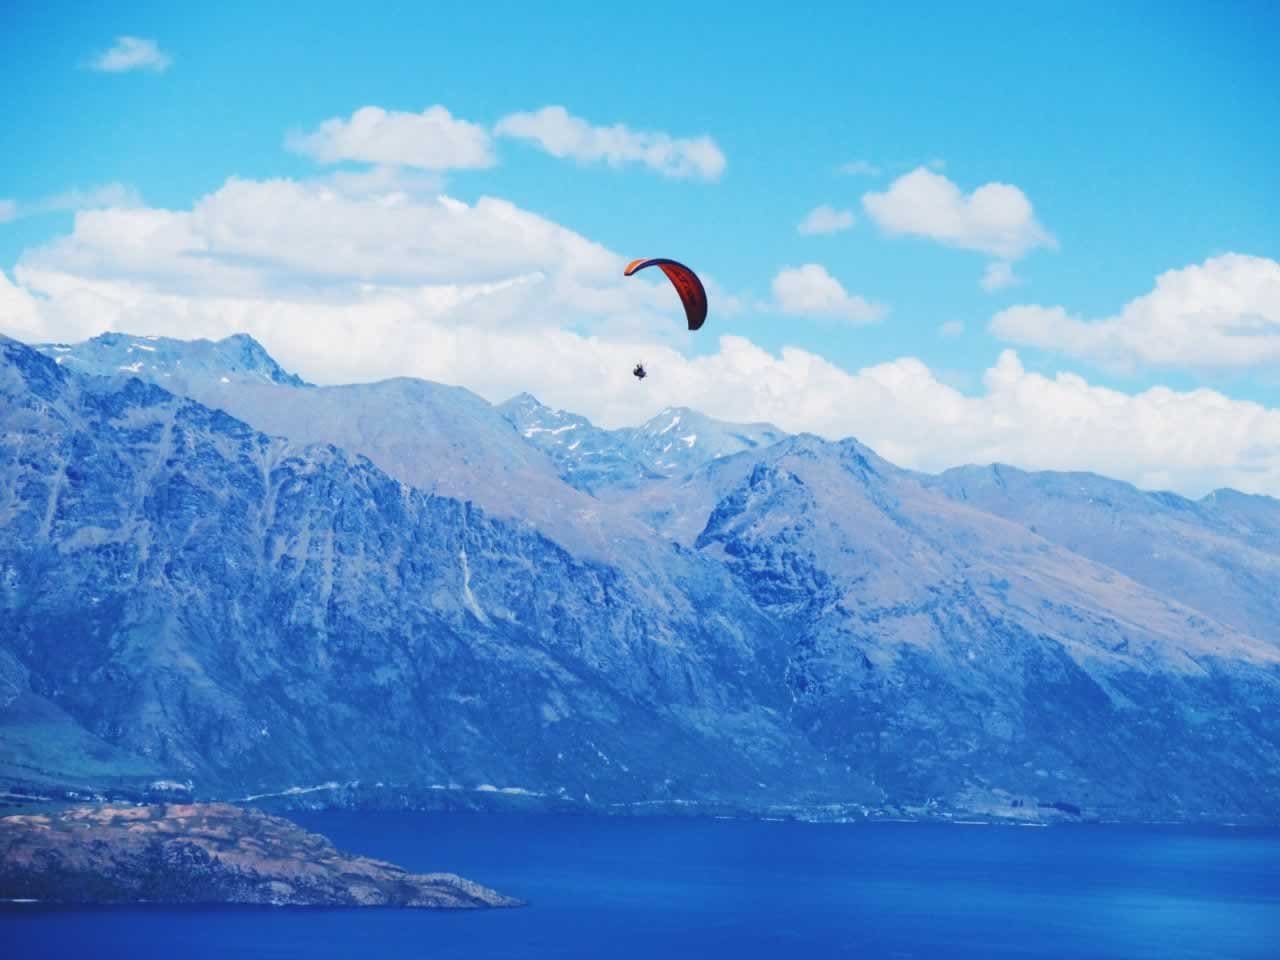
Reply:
x=1143, y=137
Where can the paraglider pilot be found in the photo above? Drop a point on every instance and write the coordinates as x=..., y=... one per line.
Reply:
x=692, y=294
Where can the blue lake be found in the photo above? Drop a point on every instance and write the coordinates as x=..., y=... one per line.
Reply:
x=632, y=888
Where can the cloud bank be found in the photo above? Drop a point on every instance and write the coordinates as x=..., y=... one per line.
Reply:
x=358, y=285
x=1223, y=313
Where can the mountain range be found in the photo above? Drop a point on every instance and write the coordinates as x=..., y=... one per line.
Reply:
x=215, y=573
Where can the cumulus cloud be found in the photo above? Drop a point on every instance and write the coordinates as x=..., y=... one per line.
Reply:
x=1223, y=313
x=346, y=287
x=384, y=181
x=132, y=53
x=996, y=218
x=8, y=210
x=318, y=245
x=1192, y=442
x=859, y=168
x=809, y=290
x=431, y=140
x=251, y=235
x=557, y=132
x=825, y=219
x=951, y=329
x=998, y=275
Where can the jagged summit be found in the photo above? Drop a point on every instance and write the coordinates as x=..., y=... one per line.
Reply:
x=175, y=364
x=590, y=458
x=679, y=440
x=673, y=443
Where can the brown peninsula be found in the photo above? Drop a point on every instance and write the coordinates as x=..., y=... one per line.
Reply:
x=205, y=853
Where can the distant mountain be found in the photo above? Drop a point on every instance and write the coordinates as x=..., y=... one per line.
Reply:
x=1219, y=555
x=678, y=440
x=180, y=364
x=672, y=444
x=764, y=623
x=589, y=458
x=436, y=438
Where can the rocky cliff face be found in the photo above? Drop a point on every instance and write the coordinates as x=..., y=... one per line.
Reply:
x=796, y=625
x=205, y=853
x=934, y=645
x=253, y=614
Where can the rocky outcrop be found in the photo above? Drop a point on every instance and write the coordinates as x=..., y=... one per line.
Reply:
x=206, y=853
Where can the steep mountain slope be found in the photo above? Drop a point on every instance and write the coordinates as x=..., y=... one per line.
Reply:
x=440, y=439
x=797, y=623
x=255, y=614
x=946, y=652
x=1253, y=517
x=1220, y=555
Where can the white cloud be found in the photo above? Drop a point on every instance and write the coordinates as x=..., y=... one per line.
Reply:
x=860, y=168
x=431, y=140
x=996, y=218
x=1223, y=313
x=1192, y=442
x=103, y=195
x=20, y=314
x=357, y=287
x=810, y=290
x=951, y=329
x=91, y=198
x=825, y=219
x=998, y=275
x=384, y=181
x=319, y=245
x=132, y=53
x=250, y=235
x=557, y=132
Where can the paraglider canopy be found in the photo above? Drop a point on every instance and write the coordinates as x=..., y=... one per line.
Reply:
x=686, y=282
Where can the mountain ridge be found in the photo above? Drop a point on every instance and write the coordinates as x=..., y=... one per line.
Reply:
x=791, y=626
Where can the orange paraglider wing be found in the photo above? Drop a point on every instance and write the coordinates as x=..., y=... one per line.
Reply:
x=686, y=282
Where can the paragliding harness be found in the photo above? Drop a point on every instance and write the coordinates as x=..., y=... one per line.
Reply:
x=692, y=294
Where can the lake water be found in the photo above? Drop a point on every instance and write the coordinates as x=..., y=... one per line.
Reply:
x=667, y=888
